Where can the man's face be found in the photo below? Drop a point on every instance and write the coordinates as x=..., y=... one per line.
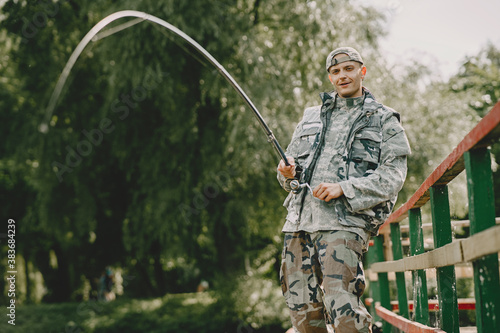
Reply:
x=347, y=77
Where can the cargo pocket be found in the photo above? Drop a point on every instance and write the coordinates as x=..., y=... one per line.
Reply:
x=365, y=153
x=357, y=284
x=306, y=139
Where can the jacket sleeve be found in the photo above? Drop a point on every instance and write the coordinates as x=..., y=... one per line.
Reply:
x=289, y=153
x=386, y=181
x=297, y=145
x=285, y=183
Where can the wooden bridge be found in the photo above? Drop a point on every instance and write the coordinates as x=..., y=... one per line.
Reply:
x=479, y=250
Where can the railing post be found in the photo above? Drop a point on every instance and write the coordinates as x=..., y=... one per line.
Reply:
x=446, y=279
x=420, y=301
x=383, y=279
x=397, y=253
x=371, y=258
x=482, y=217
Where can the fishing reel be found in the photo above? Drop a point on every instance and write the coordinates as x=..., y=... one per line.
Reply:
x=296, y=186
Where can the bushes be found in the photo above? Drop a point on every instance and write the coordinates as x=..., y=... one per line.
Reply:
x=188, y=313
x=200, y=313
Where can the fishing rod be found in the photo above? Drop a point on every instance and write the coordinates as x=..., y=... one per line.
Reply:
x=94, y=35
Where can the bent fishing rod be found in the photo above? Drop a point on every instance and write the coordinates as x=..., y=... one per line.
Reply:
x=95, y=34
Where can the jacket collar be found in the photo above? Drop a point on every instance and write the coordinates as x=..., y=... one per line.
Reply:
x=370, y=104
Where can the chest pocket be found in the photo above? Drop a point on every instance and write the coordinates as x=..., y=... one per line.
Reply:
x=365, y=152
x=306, y=139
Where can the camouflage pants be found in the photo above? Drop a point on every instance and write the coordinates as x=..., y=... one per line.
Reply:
x=322, y=279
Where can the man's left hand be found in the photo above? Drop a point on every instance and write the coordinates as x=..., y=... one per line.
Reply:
x=328, y=191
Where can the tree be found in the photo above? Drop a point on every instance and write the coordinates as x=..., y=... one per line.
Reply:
x=478, y=85
x=152, y=162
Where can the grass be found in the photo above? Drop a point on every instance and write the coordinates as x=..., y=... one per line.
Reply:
x=198, y=312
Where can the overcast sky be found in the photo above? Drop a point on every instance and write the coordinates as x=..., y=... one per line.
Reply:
x=441, y=32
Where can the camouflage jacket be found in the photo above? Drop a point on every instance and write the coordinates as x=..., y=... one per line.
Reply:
x=363, y=149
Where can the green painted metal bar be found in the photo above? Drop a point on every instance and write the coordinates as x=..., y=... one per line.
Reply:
x=371, y=257
x=446, y=279
x=397, y=253
x=482, y=217
x=420, y=299
x=383, y=280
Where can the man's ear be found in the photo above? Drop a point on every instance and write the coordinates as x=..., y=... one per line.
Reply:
x=330, y=77
x=363, y=72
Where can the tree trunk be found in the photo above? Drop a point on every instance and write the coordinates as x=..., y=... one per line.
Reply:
x=158, y=269
x=27, y=272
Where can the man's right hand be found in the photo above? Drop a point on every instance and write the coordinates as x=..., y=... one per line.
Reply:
x=287, y=171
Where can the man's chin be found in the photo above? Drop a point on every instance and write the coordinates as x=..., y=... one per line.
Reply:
x=348, y=93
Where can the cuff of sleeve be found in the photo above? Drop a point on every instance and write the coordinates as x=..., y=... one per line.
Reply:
x=349, y=194
x=284, y=182
x=348, y=189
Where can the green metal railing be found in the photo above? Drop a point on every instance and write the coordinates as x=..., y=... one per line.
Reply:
x=481, y=248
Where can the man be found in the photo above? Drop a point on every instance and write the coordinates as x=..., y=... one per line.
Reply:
x=352, y=151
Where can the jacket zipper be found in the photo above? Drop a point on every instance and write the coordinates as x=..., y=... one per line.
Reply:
x=306, y=177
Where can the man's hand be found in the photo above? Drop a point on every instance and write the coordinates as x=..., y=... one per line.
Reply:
x=287, y=171
x=328, y=191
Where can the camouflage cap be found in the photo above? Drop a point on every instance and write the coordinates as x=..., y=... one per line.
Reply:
x=352, y=55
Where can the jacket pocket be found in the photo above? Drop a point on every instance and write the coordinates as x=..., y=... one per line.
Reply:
x=306, y=138
x=365, y=153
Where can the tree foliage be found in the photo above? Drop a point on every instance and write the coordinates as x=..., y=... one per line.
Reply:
x=478, y=85
x=152, y=162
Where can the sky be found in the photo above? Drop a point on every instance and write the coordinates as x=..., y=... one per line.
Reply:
x=439, y=32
